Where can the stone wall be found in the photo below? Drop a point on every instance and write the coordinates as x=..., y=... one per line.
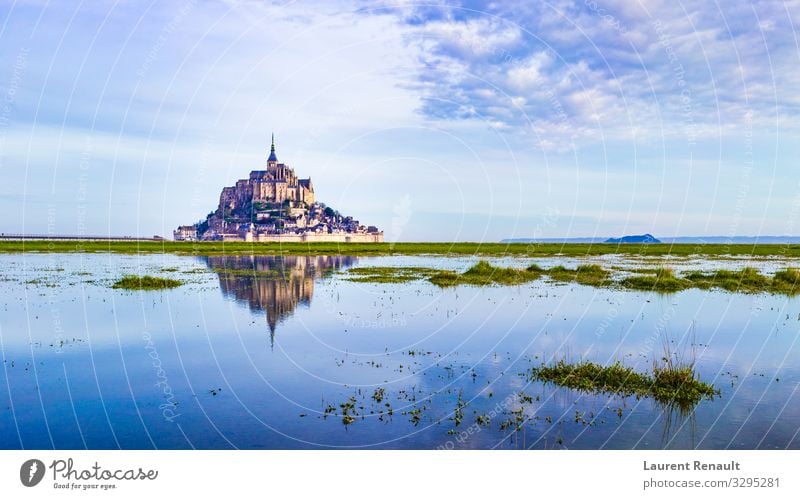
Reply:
x=320, y=238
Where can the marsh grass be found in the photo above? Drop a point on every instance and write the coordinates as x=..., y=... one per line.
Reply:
x=355, y=249
x=146, y=283
x=786, y=281
x=660, y=279
x=390, y=274
x=484, y=274
x=669, y=383
x=589, y=275
x=747, y=280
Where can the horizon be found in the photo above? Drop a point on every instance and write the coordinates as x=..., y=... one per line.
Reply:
x=448, y=122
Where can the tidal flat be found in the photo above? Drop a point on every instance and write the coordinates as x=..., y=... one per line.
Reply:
x=346, y=351
x=659, y=279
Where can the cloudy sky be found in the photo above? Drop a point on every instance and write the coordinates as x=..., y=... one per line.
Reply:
x=434, y=121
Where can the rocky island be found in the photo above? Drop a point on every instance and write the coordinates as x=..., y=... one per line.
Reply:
x=274, y=205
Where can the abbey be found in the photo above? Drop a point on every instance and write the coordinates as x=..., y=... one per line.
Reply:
x=273, y=204
x=277, y=184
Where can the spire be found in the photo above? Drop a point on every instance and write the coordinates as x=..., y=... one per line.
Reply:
x=272, y=156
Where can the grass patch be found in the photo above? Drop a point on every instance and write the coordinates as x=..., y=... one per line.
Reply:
x=390, y=274
x=146, y=283
x=746, y=280
x=589, y=275
x=658, y=279
x=662, y=280
x=669, y=383
x=484, y=274
x=786, y=282
x=476, y=249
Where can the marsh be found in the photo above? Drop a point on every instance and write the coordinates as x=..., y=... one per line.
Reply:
x=298, y=351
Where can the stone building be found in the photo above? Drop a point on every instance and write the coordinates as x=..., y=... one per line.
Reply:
x=274, y=204
x=185, y=233
x=275, y=185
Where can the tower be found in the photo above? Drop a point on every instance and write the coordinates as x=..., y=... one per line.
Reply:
x=273, y=159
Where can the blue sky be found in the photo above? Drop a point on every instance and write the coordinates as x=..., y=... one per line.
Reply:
x=435, y=121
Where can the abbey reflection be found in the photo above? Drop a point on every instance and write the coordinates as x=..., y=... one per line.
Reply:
x=274, y=284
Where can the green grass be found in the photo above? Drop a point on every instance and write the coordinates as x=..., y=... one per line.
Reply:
x=484, y=274
x=658, y=279
x=786, y=281
x=479, y=249
x=662, y=280
x=589, y=275
x=146, y=283
x=389, y=274
x=746, y=280
x=668, y=383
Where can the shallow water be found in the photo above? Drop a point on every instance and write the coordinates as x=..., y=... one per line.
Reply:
x=242, y=359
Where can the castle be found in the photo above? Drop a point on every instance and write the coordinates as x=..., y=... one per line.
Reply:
x=274, y=205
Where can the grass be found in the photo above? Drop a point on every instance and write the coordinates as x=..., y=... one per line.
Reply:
x=662, y=280
x=478, y=249
x=589, y=275
x=786, y=281
x=669, y=382
x=146, y=283
x=747, y=280
x=658, y=279
x=483, y=274
x=389, y=274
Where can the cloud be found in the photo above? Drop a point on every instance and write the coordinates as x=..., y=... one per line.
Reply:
x=589, y=71
x=505, y=109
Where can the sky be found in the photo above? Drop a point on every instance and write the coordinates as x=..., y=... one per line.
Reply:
x=435, y=121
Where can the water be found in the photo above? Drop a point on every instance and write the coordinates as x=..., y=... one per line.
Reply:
x=243, y=359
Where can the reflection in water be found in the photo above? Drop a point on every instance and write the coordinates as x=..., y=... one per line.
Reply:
x=676, y=420
x=275, y=284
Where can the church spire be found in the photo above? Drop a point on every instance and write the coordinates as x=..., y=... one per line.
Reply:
x=272, y=156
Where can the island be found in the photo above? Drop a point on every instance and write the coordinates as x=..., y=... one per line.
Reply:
x=274, y=205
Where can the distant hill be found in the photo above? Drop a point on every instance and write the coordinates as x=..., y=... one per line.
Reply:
x=668, y=240
x=644, y=238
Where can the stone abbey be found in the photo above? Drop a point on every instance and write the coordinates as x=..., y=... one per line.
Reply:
x=275, y=205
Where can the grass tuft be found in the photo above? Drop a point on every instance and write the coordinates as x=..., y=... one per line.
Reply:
x=668, y=383
x=589, y=275
x=746, y=280
x=658, y=279
x=484, y=273
x=662, y=280
x=146, y=283
x=388, y=275
x=786, y=282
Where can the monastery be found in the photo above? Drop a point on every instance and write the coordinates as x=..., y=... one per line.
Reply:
x=274, y=205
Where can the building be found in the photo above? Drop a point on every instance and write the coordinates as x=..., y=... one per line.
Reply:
x=272, y=205
x=185, y=233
